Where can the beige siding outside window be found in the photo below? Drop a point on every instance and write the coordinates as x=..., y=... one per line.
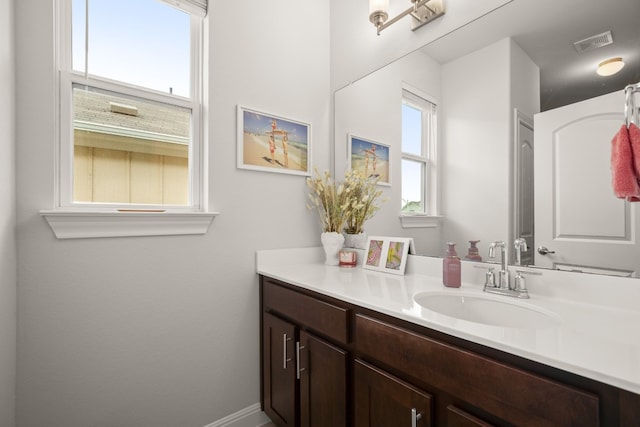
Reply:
x=129, y=151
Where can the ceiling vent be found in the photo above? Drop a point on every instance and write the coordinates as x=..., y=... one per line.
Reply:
x=594, y=42
x=129, y=110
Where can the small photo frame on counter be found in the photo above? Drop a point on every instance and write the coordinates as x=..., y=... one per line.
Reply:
x=388, y=254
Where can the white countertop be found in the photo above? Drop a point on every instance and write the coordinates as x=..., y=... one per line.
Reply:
x=597, y=341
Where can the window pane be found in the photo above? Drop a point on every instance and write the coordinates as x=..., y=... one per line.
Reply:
x=129, y=150
x=78, y=34
x=412, y=186
x=142, y=42
x=411, y=130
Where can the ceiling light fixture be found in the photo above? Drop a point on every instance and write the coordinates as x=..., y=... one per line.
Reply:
x=422, y=12
x=610, y=66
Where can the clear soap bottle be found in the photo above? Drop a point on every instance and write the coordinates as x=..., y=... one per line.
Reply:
x=451, y=276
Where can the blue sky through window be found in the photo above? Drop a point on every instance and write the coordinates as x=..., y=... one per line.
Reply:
x=412, y=171
x=141, y=42
x=411, y=130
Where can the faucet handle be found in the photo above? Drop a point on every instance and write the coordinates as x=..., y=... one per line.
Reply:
x=490, y=278
x=520, y=283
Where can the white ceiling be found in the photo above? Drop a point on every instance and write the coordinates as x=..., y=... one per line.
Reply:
x=546, y=30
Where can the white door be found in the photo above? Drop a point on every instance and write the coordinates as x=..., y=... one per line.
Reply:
x=577, y=215
x=524, y=196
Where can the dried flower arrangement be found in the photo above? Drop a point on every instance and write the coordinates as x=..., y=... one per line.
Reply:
x=331, y=199
x=344, y=205
x=365, y=199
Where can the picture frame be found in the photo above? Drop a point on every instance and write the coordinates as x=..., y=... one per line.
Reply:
x=388, y=254
x=272, y=143
x=371, y=157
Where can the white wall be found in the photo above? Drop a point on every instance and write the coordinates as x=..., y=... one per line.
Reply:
x=163, y=331
x=480, y=92
x=371, y=108
x=525, y=81
x=356, y=50
x=7, y=219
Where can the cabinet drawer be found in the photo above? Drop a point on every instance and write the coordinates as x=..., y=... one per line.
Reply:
x=322, y=317
x=514, y=395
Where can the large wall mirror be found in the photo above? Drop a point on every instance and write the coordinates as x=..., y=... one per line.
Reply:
x=500, y=82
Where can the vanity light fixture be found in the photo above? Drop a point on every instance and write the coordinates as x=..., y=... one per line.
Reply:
x=422, y=12
x=610, y=66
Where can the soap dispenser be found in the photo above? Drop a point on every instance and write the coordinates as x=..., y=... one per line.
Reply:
x=473, y=254
x=451, y=268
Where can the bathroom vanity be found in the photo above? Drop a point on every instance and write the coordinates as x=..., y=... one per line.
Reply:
x=353, y=347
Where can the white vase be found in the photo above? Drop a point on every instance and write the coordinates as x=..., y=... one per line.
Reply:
x=357, y=241
x=332, y=242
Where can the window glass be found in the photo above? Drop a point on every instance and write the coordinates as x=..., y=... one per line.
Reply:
x=129, y=150
x=143, y=42
x=411, y=130
x=418, y=170
x=412, y=186
x=130, y=115
x=78, y=35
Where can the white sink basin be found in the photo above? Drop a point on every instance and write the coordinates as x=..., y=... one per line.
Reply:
x=487, y=310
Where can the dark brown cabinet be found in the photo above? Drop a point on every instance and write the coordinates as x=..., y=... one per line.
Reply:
x=323, y=383
x=326, y=362
x=382, y=400
x=511, y=394
x=279, y=376
x=458, y=418
x=304, y=377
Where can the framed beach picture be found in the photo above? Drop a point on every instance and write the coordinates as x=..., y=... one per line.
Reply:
x=370, y=157
x=388, y=254
x=271, y=143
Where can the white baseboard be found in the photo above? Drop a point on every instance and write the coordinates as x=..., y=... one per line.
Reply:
x=251, y=416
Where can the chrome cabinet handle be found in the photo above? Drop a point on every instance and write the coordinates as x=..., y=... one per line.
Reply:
x=298, y=368
x=415, y=416
x=285, y=360
x=542, y=250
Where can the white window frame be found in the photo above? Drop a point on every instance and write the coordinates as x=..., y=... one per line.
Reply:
x=430, y=138
x=70, y=219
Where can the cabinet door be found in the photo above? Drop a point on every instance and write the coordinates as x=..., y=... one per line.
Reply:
x=279, y=370
x=382, y=400
x=323, y=383
x=456, y=417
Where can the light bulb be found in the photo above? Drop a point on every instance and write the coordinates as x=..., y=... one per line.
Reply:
x=378, y=6
x=610, y=66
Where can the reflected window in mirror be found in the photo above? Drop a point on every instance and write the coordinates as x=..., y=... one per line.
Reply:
x=419, y=143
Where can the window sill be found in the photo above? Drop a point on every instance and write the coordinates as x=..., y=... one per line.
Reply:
x=420, y=221
x=84, y=225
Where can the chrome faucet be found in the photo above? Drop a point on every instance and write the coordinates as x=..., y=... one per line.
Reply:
x=503, y=274
x=521, y=246
x=504, y=286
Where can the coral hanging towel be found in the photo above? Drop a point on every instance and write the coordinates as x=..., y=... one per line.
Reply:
x=634, y=140
x=624, y=180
